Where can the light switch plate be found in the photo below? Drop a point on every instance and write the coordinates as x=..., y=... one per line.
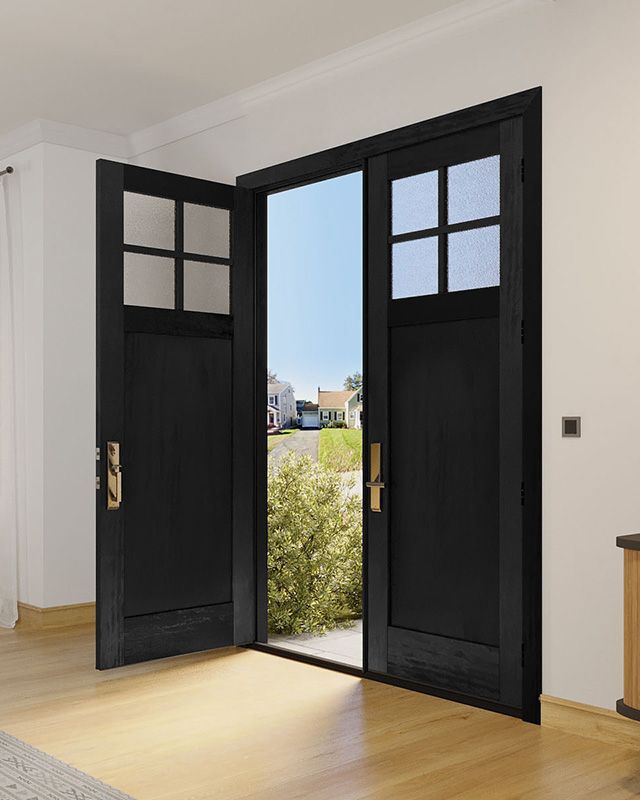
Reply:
x=572, y=427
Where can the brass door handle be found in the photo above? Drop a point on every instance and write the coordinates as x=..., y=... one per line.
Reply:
x=114, y=476
x=375, y=485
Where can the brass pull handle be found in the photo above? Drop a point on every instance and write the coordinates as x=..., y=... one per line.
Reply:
x=114, y=476
x=375, y=485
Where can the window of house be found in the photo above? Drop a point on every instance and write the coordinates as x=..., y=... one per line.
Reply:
x=325, y=416
x=340, y=415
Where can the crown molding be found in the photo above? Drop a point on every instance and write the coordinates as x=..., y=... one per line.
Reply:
x=238, y=104
x=41, y=131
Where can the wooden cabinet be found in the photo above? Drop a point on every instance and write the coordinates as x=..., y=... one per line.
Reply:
x=629, y=705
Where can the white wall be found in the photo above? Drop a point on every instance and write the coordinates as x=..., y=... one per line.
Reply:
x=25, y=195
x=69, y=375
x=585, y=54
x=52, y=218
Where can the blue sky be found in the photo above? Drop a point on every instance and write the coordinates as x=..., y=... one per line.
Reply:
x=315, y=284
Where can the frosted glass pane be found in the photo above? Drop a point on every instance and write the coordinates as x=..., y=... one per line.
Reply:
x=206, y=287
x=149, y=281
x=474, y=259
x=414, y=203
x=149, y=221
x=206, y=230
x=414, y=268
x=474, y=190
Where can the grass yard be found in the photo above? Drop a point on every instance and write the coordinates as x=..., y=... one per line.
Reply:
x=340, y=449
x=276, y=438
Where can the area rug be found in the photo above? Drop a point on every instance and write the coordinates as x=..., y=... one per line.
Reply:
x=29, y=774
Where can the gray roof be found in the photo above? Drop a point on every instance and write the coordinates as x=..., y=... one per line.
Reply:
x=276, y=388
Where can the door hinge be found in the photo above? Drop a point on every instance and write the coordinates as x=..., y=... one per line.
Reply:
x=522, y=170
x=97, y=483
x=521, y=331
x=522, y=493
x=97, y=454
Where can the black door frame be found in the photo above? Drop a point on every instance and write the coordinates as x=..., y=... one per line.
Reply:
x=256, y=186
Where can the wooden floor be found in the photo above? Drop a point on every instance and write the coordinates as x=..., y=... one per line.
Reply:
x=242, y=724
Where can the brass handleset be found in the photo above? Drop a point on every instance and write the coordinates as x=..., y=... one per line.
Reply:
x=375, y=484
x=114, y=476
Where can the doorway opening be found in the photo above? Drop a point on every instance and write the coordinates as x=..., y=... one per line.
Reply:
x=315, y=418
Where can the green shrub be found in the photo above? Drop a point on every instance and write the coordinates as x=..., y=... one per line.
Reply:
x=315, y=548
x=337, y=423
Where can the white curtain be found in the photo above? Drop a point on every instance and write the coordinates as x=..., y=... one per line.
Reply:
x=8, y=424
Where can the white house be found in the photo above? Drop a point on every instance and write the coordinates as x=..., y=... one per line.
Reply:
x=354, y=410
x=281, y=405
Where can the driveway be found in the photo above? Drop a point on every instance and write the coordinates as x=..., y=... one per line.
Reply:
x=304, y=443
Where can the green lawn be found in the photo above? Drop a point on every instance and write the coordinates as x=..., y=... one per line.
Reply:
x=341, y=449
x=276, y=438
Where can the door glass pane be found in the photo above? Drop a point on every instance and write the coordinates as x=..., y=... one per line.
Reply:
x=149, y=281
x=474, y=259
x=206, y=230
x=206, y=287
x=414, y=268
x=474, y=190
x=414, y=203
x=149, y=221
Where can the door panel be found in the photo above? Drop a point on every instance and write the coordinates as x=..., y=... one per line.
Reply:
x=176, y=632
x=461, y=666
x=174, y=311
x=445, y=402
x=442, y=479
x=178, y=450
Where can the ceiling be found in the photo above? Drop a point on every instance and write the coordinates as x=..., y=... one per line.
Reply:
x=122, y=65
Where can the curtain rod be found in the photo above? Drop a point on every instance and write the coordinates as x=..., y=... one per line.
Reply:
x=6, y=171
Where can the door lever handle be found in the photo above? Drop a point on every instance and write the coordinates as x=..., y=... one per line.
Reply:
x=375, y=485
x=114, y=476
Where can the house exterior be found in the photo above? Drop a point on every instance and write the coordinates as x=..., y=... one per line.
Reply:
x=354, y=410
x=281, y=405
x=343, y=406
x=273, y=417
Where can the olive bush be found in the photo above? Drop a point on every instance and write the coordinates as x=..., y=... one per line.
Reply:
x=315, y=548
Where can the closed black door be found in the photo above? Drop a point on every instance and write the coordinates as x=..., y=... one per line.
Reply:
x=445, y=407
x=174, y=544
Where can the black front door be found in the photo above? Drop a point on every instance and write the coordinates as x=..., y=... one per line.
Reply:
x=174, y=545
x=445, y=400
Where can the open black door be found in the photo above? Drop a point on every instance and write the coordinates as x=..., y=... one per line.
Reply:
x=175, y=415
x=453, y=415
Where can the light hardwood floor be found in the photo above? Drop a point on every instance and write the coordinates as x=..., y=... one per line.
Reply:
x=242, y=724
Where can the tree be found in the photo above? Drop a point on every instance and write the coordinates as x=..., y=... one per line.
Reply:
x=271, y=376
x=353, y=382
